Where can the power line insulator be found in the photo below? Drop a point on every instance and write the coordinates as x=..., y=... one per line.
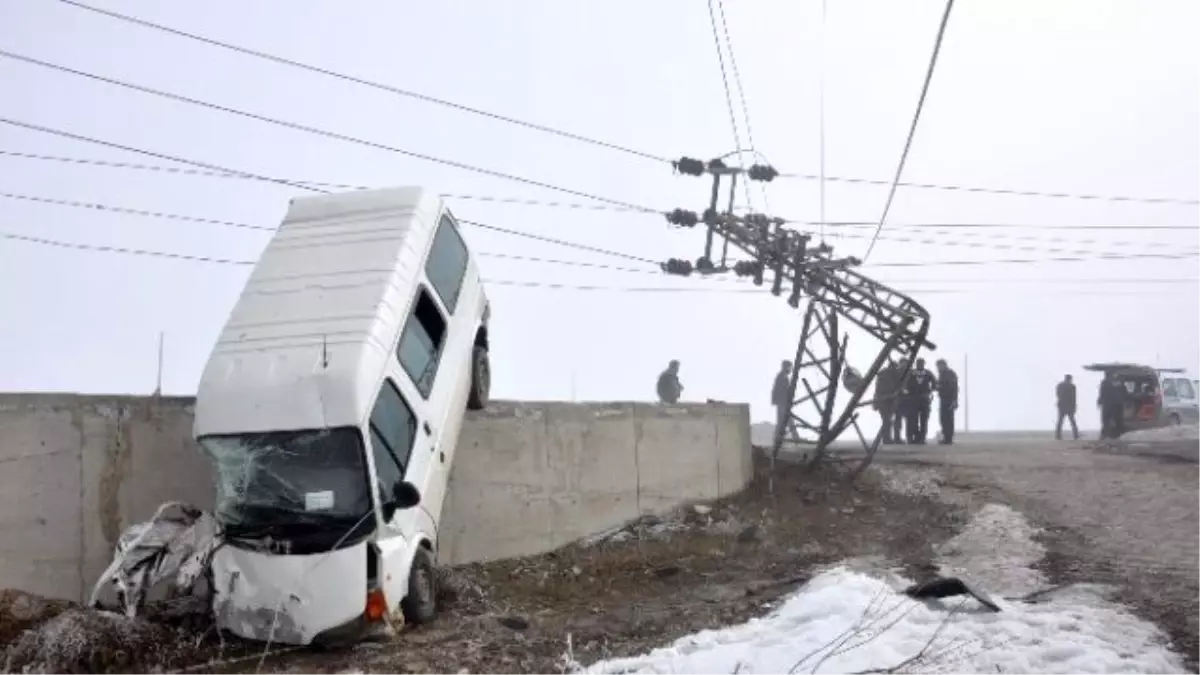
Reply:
x=748, y=268
x=683, y=218
x=689, y=166
x=763, y=172
x=678, y=266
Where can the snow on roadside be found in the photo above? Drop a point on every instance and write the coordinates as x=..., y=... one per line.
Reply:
x=1181, y=432
x=845, y=621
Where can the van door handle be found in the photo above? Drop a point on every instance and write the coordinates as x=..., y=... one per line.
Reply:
x=428, y=429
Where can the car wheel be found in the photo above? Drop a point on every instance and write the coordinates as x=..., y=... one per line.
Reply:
x=420, y=604
x=1174, y=420
x=481, y=379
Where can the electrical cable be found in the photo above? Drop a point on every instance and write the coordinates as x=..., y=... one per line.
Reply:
x=158, y=155
x=589, y=206
x=364, y=82
x=560, y=242
x=314, y=130
x=572, y=136
x=85, y=161
x=494, y=282
x=737, y=139
x=999, y=191
x=912, y=130
x=94, y=206
x=737, y=80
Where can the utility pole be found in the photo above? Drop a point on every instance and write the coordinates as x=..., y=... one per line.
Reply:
x=966, y=394
x=158, y=386
x=834, y=292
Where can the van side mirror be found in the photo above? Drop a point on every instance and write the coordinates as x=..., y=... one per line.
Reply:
x=405, y=495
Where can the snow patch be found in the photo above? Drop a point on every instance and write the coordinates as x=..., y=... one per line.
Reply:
x=845, y=621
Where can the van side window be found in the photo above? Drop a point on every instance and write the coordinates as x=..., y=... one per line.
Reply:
x=447, y=263
x=421, y=343
x=1185, y=389
x=393, y=430
x=1168, y=389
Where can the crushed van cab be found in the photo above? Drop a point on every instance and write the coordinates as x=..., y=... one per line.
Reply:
x=331, y=406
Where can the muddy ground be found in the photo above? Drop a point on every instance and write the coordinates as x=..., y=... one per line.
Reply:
x=655, y=581
x=636, y=589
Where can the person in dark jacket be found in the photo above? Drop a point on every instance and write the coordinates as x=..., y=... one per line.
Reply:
x=1064, y=394
x=781, y=398
x=900, y=430
x=669, y=388
x=947, y=389
x=918, y=395
x=1112, y=406
x=886, y=392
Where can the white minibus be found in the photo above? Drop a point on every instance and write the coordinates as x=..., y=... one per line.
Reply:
x=330, y=407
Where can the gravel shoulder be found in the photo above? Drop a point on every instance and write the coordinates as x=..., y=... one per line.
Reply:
x=1119, y=514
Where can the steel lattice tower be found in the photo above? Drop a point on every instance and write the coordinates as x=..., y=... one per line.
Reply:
x=835, y=294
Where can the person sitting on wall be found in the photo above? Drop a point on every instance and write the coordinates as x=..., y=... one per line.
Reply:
x=669, y=388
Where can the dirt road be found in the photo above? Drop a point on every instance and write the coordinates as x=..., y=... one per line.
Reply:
x=1125, y=515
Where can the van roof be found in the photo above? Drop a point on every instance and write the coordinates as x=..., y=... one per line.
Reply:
x=318, y=318
x=1102, y=367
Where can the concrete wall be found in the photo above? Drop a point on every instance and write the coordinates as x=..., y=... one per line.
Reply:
x=528, y=477
x=76, y=470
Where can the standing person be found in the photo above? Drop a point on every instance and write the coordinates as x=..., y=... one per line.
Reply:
x=669, y=388
x=919, y=394
x=1064, y=393
x=886, y=391
x=1112, y=407
x=947, y=389
x=781, y=398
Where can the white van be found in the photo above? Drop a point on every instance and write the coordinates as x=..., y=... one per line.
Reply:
x=331, y=405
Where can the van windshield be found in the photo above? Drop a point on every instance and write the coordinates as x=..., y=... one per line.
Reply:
x=307, y=488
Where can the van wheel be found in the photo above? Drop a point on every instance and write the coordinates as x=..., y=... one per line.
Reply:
x=481, y=379
x=420, y=604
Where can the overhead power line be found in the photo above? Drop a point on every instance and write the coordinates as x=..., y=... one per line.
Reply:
x=95, y=248
x=585, y=206
x=653, y=266
x=912, y=129
x=1031, y=261
x=314, y=130
x=94, y=206
x=110, y=208
x=567, y=134
x=367, y=83
x=737, y=138
x=1000, y=191
x=185, y=171
x=158, y=155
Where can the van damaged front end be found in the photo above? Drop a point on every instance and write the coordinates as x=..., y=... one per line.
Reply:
x=297, y=517
x=290, y=599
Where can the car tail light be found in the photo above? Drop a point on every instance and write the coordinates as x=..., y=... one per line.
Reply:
x=376, y=605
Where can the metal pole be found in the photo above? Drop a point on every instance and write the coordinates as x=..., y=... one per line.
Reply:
x=158, y=386
x=966, y=395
